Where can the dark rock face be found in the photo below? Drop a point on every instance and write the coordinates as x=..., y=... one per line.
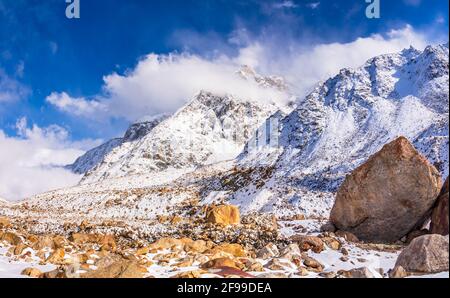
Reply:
x=385, y=198
x=439, y=217
x=139, y=130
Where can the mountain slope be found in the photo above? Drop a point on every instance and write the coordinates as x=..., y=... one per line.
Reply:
x=209, y=129
x=350, y=117
x=93, y=157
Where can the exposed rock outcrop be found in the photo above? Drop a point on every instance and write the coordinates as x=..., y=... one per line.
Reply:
x=425, y=254
x=439, y=217
x=224, y=215
x=385, y=198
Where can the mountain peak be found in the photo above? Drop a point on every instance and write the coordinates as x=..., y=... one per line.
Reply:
x=141, y=128
x=276, y=82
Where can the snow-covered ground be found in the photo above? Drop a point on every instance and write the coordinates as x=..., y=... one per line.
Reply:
x=12, y=269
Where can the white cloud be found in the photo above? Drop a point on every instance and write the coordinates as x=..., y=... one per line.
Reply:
x=12, y=90
x=77, y=106
x=304, y=66
x=163, y=83
x=31, y=163
x=285, y=4
x=313, y=5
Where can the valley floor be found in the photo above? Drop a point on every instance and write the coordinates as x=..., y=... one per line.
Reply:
x=338, y=257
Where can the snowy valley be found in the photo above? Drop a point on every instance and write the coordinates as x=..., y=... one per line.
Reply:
x=280, y=166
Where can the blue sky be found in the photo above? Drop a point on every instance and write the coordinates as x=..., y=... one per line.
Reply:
x=43, y=52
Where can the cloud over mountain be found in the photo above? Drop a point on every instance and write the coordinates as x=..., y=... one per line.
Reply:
x=163, y=83
x=32, y=162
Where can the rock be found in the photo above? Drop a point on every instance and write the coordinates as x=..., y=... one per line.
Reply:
x=166, y=243
x=233, y=249
x=231, y=272
x=439, y=217
x=344, y=259
x=116, y=266
x=221, y=262
x=84, y=225
x=349, y=237
x=313, y=264
x=362, y=272
x=142, y=251
x=254, y=266
x=59, y=242
x=425, y=254
x=10, y=237
x=398, y=272
x=57, y=273
x=302, y=271
x=330, y=274
x=42, y=242
x=272, y=275
x=176, y=220
x=309, y=242
x=105, y=241
x=223, y=215
x=4, y=223
x=332, y=243
x=190, y=274
x=291, y=253
x=57, y=257
x=344, y=251
x=414, y=234
x=185, y=262
x=279, y=265
x=375, y=201
x=199, y=246
x=268, y=251
x=328, y=227
x=201, y=258
x=298, y=217
x=19, y=248
x=380, y=271
x=31, y=272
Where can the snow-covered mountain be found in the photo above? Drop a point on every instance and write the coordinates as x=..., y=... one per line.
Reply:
x=93, y=157
x=248, y=73
x=208, y=129
x=350, y=117
x=190, y=156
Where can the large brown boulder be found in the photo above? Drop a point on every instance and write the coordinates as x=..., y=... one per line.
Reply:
x=387, y=196
x=439, y=217
x=223, y=215
x=425, y=254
